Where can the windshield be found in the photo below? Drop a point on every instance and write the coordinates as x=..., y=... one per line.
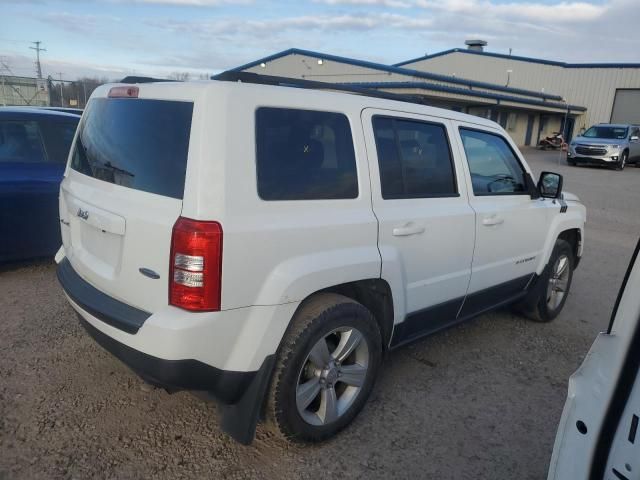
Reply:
x=140, y=144
x=615, y=133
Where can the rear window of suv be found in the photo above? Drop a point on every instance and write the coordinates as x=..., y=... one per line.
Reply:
x=137, y=143
x=304, y=155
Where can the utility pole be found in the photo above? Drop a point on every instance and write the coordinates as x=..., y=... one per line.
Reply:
x=38, y=49
x=61, y=95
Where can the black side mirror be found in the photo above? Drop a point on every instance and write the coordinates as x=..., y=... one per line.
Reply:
x=550, y=185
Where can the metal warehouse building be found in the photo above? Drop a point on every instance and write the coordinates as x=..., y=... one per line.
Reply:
x=529, y=97
x=23, y=91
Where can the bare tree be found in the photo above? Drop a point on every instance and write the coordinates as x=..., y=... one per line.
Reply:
x=180, y=76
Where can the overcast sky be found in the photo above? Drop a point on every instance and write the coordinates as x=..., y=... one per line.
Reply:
x=156, y=37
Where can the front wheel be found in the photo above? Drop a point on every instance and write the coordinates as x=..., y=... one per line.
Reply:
x=554, y=285
x=623, y=161
x=326, y=368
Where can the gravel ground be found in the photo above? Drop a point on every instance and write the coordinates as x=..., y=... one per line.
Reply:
x=478, y=401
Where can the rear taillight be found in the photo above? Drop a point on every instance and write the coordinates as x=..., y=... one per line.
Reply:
x=195, y=272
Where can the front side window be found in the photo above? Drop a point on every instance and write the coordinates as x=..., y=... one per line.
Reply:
x=304, y=155
x=414, y=159
x=494, y=168
x=21, y=142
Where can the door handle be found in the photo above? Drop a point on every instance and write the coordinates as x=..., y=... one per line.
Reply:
x=492, y=220
x=408, y=229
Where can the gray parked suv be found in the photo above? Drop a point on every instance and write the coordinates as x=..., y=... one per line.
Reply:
x=606, y=144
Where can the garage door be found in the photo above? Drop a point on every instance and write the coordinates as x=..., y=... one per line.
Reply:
x=626, y=106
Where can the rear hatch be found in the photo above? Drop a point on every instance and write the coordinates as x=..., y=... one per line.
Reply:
x=123, y=191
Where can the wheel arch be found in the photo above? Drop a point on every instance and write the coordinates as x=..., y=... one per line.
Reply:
x=573, y=236
x=569, y=226
x=373, y=293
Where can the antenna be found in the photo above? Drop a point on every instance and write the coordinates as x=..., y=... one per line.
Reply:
x=38, y=49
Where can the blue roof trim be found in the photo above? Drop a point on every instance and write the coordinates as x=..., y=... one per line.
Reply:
x=426, y=57
x=464, y=91
x=401, y=71
x=521, y=59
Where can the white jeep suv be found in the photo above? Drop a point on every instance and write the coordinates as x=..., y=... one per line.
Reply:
x=268, y=244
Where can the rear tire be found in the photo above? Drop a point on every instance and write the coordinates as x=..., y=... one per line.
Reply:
x=326, y=368
x=554, y=284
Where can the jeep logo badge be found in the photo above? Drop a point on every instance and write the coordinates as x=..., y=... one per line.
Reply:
x=83, y=214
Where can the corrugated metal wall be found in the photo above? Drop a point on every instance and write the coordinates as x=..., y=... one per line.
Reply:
x=594, y=88
x=307, y=67
x=23, y=91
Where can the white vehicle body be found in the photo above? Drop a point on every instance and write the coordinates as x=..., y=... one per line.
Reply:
x=440, y=260
x=598, y=435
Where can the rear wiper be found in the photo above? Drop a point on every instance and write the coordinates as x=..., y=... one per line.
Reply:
x=108, y=166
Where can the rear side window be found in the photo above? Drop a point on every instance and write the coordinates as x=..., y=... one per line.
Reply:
x=414, y=159
x=494, y=168
x=21, y=142
x=137, y=143
x=304, y=155
x=58, y=137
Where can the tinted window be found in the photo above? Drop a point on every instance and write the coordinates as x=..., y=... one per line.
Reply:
x=493, y=166
x=58, y=137
x=414, y=159
x=304, y=155
x=20, y=141
x=136, y=143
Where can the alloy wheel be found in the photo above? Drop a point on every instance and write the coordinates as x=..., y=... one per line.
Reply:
x=332, y=376
x=558, y=282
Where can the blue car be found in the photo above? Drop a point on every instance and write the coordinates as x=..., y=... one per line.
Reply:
x=34, y=144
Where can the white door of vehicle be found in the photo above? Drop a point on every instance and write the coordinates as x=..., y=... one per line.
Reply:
x=426, y=226
x=511, y=227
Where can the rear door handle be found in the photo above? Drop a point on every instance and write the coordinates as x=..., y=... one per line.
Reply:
x=492, y=220
x=408, y=229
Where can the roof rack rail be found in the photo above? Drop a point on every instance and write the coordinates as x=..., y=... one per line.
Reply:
x=256, y=78
x=135, y=79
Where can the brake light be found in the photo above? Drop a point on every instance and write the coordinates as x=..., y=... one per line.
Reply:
x=124, y=92
x=195, y=272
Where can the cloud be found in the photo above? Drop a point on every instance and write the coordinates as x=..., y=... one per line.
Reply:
x=547, y=13
x=372, y=3
x=78, y=23
x=196, y=3
x=260, y=28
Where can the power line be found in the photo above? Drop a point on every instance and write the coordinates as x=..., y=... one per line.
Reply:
x=38, y=49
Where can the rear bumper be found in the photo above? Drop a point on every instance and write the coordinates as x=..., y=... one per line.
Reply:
x=241, y=394
x=173, y=375
x=168, y=349
x=102, y=306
